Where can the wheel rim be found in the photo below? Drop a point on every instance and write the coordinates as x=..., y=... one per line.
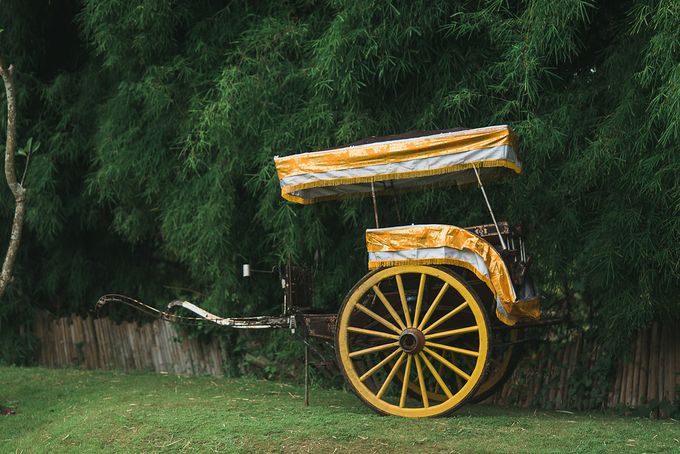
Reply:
x=395, y=323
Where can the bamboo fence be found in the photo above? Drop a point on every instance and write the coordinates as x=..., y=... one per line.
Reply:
x=100, y=343
x=554, y=377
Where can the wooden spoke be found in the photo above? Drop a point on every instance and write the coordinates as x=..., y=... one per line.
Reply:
x=447, y=363
x=452, y=349
x=446, y=317
x=370, y=332
x=459, y=382
x=436, y=375
x=419, y=301
x=377, y=348
x=440, y=369
x=390, y=376
x=377, y=367
x=453, y=332
x=402, y=297
x=433, y=306
x=389, y=307
x=378, y=318
x=404, y=385
x=421, y=381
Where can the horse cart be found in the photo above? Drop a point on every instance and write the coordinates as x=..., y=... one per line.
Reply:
x=435, y=321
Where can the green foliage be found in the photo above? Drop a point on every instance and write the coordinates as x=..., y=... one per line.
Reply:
x=158, y=122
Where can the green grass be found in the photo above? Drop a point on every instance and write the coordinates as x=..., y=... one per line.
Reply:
x=83, y=411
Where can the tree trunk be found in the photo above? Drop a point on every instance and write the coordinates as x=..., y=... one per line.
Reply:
x=7, y=74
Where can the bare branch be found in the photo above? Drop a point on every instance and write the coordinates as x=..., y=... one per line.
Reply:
x=7, y=74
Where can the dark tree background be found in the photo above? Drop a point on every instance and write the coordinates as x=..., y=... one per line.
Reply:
x=158, y=121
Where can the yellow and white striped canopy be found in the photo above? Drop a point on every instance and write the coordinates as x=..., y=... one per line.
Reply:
x=426, y=160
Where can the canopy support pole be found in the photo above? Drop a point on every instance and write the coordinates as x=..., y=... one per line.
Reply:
x=488, y=205
x=375, y=206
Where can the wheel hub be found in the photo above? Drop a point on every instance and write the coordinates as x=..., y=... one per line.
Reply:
x=412, y=340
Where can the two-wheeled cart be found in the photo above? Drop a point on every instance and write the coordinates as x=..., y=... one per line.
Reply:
x=435, y=322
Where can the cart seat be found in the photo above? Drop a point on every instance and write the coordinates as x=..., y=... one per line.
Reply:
x=437, y=244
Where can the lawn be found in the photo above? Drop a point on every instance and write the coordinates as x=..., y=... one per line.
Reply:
x=72, y=410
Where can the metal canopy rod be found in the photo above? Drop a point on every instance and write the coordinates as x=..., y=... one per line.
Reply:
x=375, y=206
x=488, y=205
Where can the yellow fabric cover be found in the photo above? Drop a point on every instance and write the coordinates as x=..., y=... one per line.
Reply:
x=394, y=160
x=437, y=236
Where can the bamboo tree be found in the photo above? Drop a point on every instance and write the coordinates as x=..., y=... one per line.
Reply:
x=162, y=119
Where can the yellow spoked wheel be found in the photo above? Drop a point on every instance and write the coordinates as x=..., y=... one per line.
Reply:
x=396, y=322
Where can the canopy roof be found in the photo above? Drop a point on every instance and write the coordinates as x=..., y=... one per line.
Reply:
x=429, y=158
